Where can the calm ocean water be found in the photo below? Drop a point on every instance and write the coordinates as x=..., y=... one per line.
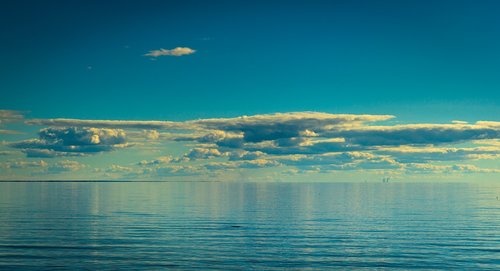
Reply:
x=249, y=226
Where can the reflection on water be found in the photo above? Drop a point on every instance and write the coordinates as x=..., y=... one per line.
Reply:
x=256, y=226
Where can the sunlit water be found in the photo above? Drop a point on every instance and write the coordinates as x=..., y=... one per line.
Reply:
x=249, y=226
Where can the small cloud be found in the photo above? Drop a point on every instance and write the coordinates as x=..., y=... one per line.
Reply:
x=65, y=166
x=118, y=169
x=177, y=51
x=151, y=134
x=20, y=164
x=202, y=153
x=156, y=162
x=9, y=132
x=10, y=116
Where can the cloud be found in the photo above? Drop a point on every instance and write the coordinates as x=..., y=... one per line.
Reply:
x=340, y=161
x=245, y=155
x=9, y=116
x=221, y=138
x=120, y=172
x=257, y=163
x=64, y=166
x=156, y=162
x=177, y=170
x=48, y=153
x=303, y=146
x=41, y=167
x=417, y=134
x=20, y=164
x=409, y=154
x=447, y=169
x=177, y=51
x=259, y=128
x=9, y=132
x=118, y=169
x=488, y=142
x=306, y=141
x=113, y=124
x=151, y=134
x=53, y=142
x=202, y=153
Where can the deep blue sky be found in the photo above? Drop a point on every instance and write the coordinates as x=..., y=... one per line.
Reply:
x=419, y=60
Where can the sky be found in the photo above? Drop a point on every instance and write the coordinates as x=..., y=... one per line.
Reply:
x=250, y=90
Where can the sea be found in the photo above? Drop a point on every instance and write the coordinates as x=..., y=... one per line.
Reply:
x=249, y=226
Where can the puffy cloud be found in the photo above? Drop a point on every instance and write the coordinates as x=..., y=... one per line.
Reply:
x=156, y=162
x=221, y=138
x=417, y=134
x=177, y=51
x=245, y=155
x=151, y=134
x=72, y=141
x=83, y=137
x=259, y=128
x=253, y=129
x=202, y=153
x=304, y=146
x=307, y=141
x=292, y=129
x=259, y=163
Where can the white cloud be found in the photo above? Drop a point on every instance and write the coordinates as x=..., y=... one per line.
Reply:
x=156, y=162
x=203, y=153
x=64, y=166
x=306, y=141
x=18, y=164
x=177, y=51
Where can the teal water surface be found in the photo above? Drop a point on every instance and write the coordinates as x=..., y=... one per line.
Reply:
x=249, y=226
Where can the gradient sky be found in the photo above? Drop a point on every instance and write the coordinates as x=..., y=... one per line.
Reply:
x=423, y=62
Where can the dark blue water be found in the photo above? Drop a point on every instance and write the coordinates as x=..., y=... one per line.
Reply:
x=249, y=226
